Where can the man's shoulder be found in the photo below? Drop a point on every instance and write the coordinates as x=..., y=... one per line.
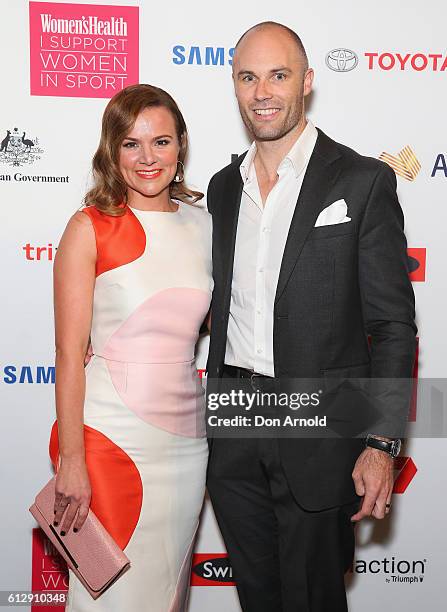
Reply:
x=221, y=180
x=356, y=162
x=231, y=169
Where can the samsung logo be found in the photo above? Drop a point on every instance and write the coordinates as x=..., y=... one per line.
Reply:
x=27, y=374
x=202, y=56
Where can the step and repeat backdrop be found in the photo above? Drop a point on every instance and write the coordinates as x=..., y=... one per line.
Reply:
x=380, y=87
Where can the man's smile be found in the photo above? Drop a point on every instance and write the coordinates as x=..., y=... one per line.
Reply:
x=266, y=113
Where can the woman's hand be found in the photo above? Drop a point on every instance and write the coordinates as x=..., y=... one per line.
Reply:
x=72, y=490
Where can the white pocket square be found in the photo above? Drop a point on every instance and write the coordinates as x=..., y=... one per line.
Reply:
x=333, y=214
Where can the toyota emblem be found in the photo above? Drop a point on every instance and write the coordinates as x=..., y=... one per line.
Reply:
x=342, y=60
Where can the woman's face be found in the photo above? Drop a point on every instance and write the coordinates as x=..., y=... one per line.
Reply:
x=149, y=153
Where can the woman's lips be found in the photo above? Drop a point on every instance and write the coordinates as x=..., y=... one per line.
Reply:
x=148, y=175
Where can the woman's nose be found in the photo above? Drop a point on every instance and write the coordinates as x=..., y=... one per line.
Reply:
x=147, y=155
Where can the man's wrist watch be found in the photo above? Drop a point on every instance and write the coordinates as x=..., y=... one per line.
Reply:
x=392, y=447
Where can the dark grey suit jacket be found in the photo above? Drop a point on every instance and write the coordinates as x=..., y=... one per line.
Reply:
x=344, y=303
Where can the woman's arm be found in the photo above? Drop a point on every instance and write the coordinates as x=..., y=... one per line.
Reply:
x=74, y=280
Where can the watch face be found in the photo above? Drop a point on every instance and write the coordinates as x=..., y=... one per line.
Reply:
x=395, y=449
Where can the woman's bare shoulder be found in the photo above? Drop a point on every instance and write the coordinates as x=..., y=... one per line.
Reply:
x=79, y=234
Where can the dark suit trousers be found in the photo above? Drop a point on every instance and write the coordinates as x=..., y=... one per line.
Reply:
x=284, y=558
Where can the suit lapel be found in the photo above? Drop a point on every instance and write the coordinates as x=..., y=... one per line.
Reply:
x=230, y=209
x=321, y=174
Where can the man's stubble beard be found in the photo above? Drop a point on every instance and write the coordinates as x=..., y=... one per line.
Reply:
x=273, y=133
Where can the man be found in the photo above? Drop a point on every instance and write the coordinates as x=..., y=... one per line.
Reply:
x=299, y=287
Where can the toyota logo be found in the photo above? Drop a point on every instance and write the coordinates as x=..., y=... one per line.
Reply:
x=342, y=60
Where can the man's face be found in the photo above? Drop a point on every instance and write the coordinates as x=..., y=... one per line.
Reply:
x=270, y=82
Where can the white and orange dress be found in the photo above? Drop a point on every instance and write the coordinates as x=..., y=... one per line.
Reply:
x=144, y=413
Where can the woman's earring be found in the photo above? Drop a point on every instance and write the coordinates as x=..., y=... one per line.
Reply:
x=180, y=174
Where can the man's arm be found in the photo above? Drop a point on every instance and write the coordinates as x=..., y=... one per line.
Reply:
x=387, y=302
x=388, y=312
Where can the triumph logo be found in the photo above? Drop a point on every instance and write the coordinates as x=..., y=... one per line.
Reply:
x=394, y=570
x=17, y=149
x=342, y=60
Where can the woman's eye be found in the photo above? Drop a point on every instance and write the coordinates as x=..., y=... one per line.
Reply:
x=163, y=142
x=130, y=145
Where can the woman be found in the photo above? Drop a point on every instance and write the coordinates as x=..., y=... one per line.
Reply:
x=133, y=272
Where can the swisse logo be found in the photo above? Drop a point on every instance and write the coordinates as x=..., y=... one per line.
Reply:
x=202, y=56
x=28, y=374
x=211, y=570
x=418, y=62
x=82, y=50
x=342, y=60
x=392, y=569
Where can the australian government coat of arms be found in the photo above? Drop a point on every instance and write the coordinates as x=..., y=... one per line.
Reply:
x=17, y=149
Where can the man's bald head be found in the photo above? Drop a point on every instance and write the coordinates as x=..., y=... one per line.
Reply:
x=273, y=25
x=271, y=79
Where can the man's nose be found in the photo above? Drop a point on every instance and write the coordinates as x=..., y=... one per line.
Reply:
x=262, y=91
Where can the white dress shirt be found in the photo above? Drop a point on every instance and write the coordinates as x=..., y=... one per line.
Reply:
x=260, y=240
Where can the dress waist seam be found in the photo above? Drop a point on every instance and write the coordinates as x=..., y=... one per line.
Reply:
x=188, y=361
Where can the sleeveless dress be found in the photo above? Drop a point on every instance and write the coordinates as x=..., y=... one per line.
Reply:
x=144, y=412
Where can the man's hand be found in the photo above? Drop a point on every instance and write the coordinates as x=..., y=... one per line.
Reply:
x=373, y=479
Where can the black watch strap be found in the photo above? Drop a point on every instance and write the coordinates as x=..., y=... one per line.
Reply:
x=392, y=447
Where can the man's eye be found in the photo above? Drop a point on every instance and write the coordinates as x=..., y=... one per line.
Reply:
x=280, y=76
x=247, y=78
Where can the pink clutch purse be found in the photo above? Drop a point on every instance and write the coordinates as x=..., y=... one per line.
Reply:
x=92, y=553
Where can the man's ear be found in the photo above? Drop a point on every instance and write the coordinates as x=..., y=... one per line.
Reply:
x=308, y=81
